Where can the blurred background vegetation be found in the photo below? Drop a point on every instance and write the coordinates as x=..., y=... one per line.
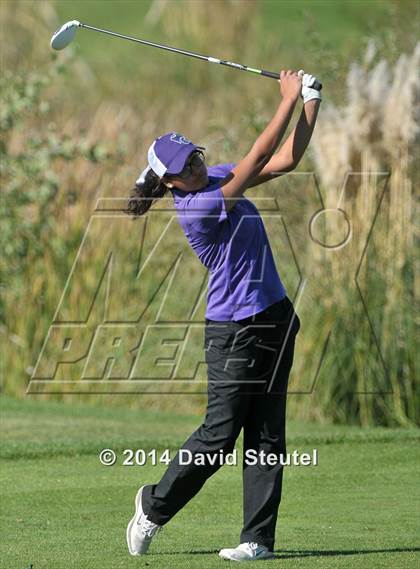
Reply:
x=76, y=126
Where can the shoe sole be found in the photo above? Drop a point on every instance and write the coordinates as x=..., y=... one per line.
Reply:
x=260, y=558
x=137, y=503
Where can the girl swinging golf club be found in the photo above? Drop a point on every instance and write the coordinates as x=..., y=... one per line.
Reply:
x=251, y=324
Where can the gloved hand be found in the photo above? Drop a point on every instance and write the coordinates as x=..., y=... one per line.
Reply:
x=307, y=92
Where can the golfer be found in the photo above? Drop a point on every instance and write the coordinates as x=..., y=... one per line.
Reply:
x=250, y=327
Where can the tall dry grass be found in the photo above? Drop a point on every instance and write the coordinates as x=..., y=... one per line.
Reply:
x=371, y=298
x=374, y=130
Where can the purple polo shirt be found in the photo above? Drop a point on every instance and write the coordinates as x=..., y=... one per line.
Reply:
x=233, y=246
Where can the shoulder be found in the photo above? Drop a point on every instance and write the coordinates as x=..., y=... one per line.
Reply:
x=220, y=170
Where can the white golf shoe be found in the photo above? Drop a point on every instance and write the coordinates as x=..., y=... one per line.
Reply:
x=249, y=551
x=140, y=530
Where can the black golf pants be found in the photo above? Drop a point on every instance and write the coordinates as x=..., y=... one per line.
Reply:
x=249, y=362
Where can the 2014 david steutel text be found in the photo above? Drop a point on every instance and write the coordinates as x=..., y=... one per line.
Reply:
x=251, y=457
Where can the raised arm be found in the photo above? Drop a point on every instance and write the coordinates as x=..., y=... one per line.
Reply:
x=291, y=152
x=234, y=185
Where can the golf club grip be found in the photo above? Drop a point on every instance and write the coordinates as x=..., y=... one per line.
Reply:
x=317, y=85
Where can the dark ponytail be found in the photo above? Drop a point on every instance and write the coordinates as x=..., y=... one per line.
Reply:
x=144, y=195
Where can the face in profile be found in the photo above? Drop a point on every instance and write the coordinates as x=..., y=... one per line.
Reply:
x=193, y=176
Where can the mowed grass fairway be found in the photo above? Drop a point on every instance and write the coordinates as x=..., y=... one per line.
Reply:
x=62, y=509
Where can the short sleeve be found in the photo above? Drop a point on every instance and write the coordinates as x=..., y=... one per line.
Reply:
x=205, y=210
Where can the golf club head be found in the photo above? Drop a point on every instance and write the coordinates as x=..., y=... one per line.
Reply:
x=64, y=35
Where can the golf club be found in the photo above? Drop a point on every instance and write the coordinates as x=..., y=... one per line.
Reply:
x=64, y=35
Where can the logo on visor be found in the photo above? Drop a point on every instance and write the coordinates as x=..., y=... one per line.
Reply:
x=180, y=139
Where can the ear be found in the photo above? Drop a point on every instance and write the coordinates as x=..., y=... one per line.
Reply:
x=166, y=183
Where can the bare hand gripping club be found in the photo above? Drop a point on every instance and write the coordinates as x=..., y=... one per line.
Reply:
x=64, y=35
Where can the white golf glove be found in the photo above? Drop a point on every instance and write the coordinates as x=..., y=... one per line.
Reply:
x=307, y=92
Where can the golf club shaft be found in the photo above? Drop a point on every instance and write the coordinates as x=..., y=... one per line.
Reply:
x=317, y=85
